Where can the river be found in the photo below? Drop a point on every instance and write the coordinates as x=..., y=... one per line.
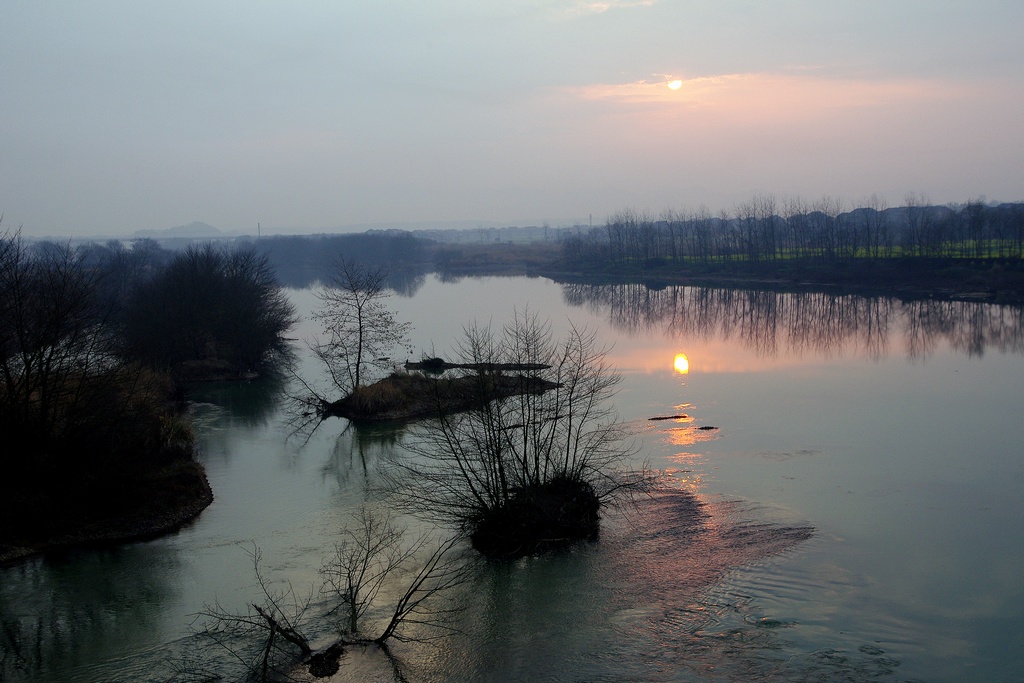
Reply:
x=851, y=509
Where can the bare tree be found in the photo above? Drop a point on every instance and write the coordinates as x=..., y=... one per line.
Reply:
x=877, y=230
x=530, y=471
x=53, y=336
x=96, y=422
x=211, y=311
x=374, y=558
x=917, y=224
x=359, y=335
x=746, y=219
x=826, y=231
x=703, y=237
x=265, y=639
x=797, y=229
x=975, y=224
x=360, y=331
x=675, y=224
x=362, y=562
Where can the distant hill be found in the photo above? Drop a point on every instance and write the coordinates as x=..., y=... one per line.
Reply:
x=194, y=230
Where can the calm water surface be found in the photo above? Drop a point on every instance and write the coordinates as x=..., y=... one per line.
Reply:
x=856, y=514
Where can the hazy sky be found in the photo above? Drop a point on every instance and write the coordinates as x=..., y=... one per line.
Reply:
x=120, y=116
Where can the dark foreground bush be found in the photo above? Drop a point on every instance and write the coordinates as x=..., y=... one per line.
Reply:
x=95, y=446
x=111, y=459
x=211, y=314
x=117, y=464
x=54, y=514
x=538, y=519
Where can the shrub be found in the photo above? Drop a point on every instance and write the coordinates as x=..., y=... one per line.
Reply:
x=539, y=518
x=527, y=470
x=214, y=309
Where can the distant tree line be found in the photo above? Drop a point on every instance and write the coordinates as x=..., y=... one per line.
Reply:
x=766, y=229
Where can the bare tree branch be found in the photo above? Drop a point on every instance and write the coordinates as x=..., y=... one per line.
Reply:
x=270, y=638
x=530, y=470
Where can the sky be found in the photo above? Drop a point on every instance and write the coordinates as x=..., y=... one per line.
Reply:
x=312, y=116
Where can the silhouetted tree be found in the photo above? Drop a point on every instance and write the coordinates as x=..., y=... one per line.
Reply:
x=54, y=338
x=210, y=311
x=360, y=333
x=269, y=639
x=80, y=420
x=523, y=473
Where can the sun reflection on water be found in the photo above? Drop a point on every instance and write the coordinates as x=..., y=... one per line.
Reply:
x=681, y=364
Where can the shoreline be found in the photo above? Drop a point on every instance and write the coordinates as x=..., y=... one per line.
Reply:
x=1005, y=288
x=163, y=512
x=993, y=280
x=950, y=291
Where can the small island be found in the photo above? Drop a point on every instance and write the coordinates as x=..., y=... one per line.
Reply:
x=530, y=513
x=424, y=393
x=519, y=448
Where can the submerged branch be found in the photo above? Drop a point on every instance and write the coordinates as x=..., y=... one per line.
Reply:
x=288, y=633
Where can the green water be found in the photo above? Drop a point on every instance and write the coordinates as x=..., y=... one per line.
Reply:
x=855, y=514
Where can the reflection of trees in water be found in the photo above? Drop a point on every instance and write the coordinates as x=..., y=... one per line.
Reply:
x=406, y=281
x=250, y=403
x=359, y=451
x=449, y=278
x=970, y=328
x=806, y=322
x=59, y=614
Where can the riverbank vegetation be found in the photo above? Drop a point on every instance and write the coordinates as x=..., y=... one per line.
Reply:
x=302, y=261
x=210, y=314
x=913, y=249
x=974, y=249
x=99, y=447
x=767, y=229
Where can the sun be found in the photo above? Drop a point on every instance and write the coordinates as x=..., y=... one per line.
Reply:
x=681, y=364
x=675, y=85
